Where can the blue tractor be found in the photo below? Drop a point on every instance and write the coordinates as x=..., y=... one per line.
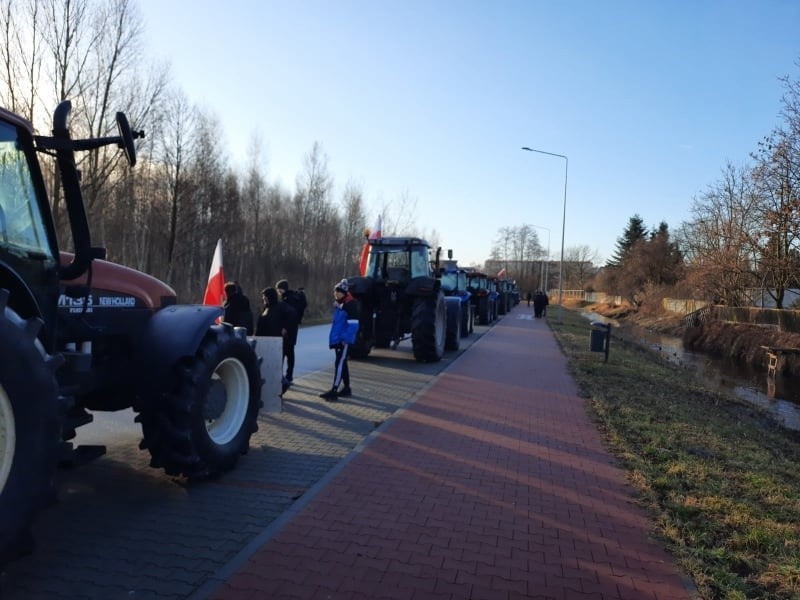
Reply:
x=460, y=309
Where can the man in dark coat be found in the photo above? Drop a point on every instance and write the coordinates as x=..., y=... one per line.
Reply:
x=297, y=300
x=539, y=303
x=277, y=319
x=237, y=307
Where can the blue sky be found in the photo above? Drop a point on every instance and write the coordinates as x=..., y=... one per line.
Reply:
x=434, y=99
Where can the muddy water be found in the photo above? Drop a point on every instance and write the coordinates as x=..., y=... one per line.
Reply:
x=779, y=396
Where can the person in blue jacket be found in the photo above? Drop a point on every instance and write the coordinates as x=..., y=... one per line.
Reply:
x=343, y=333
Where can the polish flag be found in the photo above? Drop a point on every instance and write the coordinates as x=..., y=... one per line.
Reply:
x=374, y=234
x=501, y=272
x=215, y=289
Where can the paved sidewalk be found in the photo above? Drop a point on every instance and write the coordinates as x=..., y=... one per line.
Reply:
x=493, y=483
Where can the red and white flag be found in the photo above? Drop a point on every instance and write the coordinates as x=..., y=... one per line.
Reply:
x=215, y=289
x=373, y=234
x=501, y=272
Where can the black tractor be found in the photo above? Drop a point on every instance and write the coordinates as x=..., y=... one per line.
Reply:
x=484, y=296
x=400, y=296
x=80, y=334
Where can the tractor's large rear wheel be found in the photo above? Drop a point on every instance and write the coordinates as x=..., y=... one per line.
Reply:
x=484, y=313
x=29, y=428
x=203, y=424
x=466, y=319
x=428, y=328
x=453, y=336
x=362, y=347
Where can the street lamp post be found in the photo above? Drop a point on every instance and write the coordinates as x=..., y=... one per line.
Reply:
x=563, y=225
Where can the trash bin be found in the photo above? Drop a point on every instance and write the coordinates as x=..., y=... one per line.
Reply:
x=599, y=336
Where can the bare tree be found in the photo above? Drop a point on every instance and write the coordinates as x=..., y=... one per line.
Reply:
x=353, y=226
x=400, y=217
x=720, y=241
x=21, y=54
x=776, y=179
x=776, y=182
x=579, y=266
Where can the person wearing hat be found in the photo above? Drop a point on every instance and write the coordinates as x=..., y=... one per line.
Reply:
x=344, y=329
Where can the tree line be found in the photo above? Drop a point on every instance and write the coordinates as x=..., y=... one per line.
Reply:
x=165, y=216
x=743, y=233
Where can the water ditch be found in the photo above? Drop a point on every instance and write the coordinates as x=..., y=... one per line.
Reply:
x=778, y=396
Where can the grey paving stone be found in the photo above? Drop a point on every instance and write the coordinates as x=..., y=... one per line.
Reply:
x=125, y=530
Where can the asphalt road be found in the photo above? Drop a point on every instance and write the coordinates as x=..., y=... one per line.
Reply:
x=122, y=529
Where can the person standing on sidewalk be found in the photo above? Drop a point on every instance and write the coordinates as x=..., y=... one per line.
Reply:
x=344, y=328
x=297, y=300
x=277, y=319
x=237, y=307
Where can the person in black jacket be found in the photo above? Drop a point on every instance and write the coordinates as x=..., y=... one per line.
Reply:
x=277, y=319
x=540, y=302
x=237, y=307
x=297, y=300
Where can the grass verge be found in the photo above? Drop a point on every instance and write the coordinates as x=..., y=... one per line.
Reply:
x=721, y=480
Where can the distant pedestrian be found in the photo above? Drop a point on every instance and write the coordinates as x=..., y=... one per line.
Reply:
x=297, y=300
x=530, y=297
x=237, y=307
x=277, y=319
x=344, y=328
x=540, y=302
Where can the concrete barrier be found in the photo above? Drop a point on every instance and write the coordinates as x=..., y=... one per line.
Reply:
x=270, y=349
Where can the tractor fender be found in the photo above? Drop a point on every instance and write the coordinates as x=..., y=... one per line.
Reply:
x=172, y=333
x=452, y=303
x=423, y=286
x=360, y=286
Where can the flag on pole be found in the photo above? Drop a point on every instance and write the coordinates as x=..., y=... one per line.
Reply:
x=374, y=234
x=215, y=289
x=501, y=272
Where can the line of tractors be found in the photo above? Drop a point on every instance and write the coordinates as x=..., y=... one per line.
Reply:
x=81, y=334
x=408, y=291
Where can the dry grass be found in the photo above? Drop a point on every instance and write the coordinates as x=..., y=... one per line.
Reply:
x=720, y=479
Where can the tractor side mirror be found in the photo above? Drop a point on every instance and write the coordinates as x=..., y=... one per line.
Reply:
x=127, y=137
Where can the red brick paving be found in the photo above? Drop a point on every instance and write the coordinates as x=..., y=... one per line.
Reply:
x=493, y=484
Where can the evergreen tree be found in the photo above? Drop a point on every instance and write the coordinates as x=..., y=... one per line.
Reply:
x=634, y=232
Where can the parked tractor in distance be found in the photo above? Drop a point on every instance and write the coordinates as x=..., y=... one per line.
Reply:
x=400, y=297
x=454, y=285
x=80, y=334
x=484, y=296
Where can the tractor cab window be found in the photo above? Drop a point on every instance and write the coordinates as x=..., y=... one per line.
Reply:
x=420, y=266
x=450, y=281
x=21, y=224
x=461, y=280
x=388, y=264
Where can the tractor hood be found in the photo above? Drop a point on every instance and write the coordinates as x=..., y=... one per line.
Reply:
x=117, y=286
